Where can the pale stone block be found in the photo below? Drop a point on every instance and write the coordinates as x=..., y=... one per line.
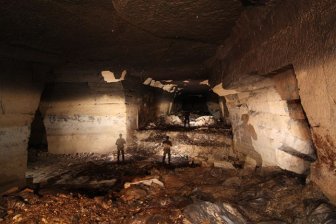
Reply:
x=223, y=165
x=292, y=163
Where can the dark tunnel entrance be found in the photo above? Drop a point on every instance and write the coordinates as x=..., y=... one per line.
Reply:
x=38, y=137
x=206, y=109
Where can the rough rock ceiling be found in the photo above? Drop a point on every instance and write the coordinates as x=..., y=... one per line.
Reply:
x=164, y=38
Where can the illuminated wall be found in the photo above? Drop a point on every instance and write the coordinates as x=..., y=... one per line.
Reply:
x=20, y=87
x=269, y=124
x=84, y=117
x=85, y=110
x=301, y=33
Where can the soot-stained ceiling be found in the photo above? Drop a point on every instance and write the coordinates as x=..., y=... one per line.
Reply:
x=167, y=39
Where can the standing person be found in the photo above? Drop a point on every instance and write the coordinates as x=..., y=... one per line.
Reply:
x=166, y=149
x=120, y=147
x=186, y=119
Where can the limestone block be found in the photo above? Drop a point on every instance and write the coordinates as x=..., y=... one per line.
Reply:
x=223, y=164
x=272, y=107
x=292, y=163
x=169, y=88
x=275, y=138
x=147, y=81
x=268, y=120
x=220, y=91
x=299, y=129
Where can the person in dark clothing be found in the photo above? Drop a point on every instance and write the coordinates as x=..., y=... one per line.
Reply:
x=166, y=149
x=186, y=115
x=120, y=147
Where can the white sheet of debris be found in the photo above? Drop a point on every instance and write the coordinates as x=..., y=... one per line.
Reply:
x=204, y=121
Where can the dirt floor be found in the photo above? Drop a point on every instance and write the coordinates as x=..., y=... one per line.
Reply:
x=90, y=188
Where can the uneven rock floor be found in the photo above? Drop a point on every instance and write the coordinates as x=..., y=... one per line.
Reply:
x=93, y=189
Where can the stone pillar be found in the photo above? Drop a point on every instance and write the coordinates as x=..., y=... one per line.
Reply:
x=20, y=93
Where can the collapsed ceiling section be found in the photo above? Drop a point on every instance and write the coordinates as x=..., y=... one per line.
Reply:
x=166, y=39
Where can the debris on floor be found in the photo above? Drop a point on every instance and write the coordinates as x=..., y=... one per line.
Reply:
x=145, y=191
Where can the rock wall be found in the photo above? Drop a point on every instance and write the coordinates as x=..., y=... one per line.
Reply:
x=270, y=126
x=301, y=33
x=21, y=85
x=89, y=115
x=164, y=103
x=83, y=117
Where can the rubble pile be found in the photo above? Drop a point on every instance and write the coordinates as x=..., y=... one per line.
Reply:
x=144, y=191
x=203, y=146
x=176, y=121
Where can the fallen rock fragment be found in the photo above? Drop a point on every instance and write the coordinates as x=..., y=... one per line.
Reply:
x=204, y=121
x=148, y=182
x=224, y=165
x=207, y=212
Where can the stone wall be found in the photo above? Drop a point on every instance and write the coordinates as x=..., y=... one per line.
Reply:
x=83, y=117
x=21, y=85
x=163, y=102
x=301, y=33
x=88, y=115
x=270, y=126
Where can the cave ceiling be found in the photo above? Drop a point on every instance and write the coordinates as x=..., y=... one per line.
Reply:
x=166, y=39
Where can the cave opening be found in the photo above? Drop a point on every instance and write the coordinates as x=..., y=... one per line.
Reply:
x=167, y=112
x=38, y=138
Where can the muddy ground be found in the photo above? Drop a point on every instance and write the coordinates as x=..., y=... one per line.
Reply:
x=89, y=188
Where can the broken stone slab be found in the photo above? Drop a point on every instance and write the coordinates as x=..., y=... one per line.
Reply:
x=147, y=81
x=148, y=182
x=207, y=212
x=204, y=121
x=223, y=164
